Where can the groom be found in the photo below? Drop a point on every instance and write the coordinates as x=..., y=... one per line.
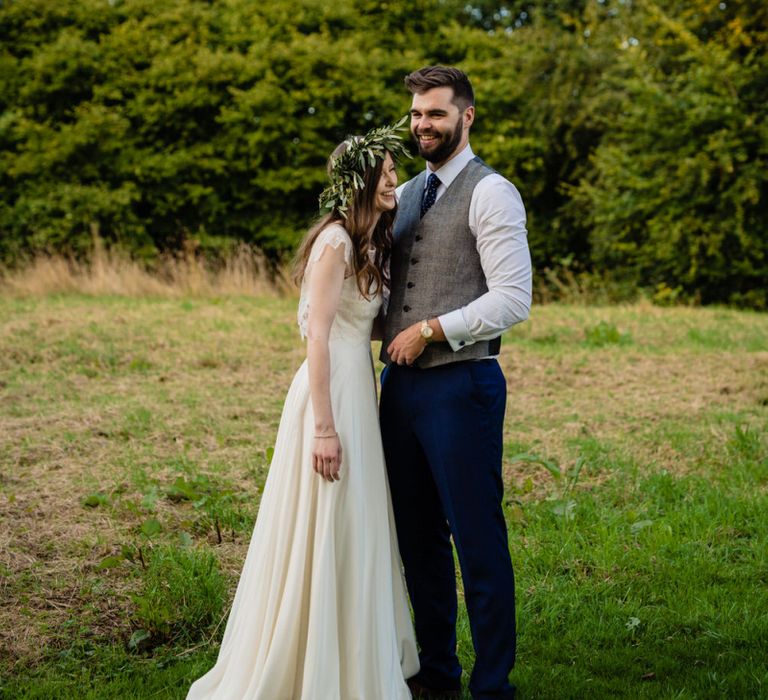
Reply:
x=460, y=276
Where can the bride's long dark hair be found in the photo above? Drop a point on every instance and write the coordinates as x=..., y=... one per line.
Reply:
x=371, y=271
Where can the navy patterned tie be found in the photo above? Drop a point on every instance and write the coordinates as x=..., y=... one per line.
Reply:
x=430, y=194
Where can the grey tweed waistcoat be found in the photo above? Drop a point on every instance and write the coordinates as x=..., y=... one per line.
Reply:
x=435, y=266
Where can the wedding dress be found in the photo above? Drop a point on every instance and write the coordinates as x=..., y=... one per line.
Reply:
x=320, y=611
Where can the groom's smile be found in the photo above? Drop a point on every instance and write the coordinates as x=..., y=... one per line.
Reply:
x=427, y=139
x=439, y=146
x=438, y=126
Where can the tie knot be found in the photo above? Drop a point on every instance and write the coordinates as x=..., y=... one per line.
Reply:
x=430, y=194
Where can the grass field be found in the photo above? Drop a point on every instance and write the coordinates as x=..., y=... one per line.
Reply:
x=135, y=436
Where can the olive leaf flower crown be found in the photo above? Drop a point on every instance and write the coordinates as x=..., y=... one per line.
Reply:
x=347, y=169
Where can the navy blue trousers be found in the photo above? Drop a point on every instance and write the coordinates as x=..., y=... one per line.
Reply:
x=442, y=432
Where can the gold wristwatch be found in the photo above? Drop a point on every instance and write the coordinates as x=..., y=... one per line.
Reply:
x=426, y=331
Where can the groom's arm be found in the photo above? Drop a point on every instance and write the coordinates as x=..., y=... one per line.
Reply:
x=497, y=220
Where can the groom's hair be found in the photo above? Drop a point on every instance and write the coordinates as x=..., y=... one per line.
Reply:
x=430, y=77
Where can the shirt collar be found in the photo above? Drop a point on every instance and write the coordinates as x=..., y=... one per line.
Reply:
x=452, y=168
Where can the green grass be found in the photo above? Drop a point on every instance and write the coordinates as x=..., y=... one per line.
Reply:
x=135, y=436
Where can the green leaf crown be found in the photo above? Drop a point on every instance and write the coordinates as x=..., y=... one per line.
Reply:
x=347, y=169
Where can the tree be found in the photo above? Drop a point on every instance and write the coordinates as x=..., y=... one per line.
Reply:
x=677, y=196
x=636, y=135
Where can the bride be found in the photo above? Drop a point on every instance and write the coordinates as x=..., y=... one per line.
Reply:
x=320, y=611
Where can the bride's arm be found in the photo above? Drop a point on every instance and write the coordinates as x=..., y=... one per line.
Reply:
x=324, y=292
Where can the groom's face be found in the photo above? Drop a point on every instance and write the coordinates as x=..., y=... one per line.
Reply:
x=438, y=127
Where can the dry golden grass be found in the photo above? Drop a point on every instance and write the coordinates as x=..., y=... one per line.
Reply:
x=245, y=272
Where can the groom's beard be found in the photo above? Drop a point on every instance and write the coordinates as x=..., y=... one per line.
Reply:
x=446, y=144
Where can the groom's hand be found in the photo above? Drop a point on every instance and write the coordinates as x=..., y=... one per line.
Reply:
x=407, y=345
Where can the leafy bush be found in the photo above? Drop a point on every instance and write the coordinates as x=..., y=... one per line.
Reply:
x=605, y=334
x=635, y=132
x=677, y=194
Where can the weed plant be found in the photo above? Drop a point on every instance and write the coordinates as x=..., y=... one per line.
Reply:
x=181, y=598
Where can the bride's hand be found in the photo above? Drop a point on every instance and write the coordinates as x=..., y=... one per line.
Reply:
x=326, y=457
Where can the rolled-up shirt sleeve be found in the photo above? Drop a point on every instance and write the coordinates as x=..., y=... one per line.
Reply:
x=497, y=220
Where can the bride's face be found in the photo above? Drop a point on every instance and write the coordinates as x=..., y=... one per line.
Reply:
x=385, y=188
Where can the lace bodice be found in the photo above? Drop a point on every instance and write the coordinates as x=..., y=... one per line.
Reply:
x=355, y=314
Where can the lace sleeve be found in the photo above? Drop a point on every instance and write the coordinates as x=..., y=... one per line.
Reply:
x=333, y=236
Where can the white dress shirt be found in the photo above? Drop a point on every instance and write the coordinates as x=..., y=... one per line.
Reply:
x=497, y=221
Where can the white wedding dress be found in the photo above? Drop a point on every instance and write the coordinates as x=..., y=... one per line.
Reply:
x=320, y=611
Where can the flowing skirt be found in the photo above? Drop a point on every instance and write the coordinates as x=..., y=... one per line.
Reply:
x=320, y=611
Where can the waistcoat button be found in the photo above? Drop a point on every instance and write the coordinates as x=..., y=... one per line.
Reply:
x=414, y=261
x=410, y=285
x=406, y=308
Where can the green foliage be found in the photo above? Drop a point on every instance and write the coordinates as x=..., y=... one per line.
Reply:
x=603, y=334
x=182, y=596
x=183, y=120
x=636, y=133
x=94, y=500
x=219, y=506
x=151, y=527
x=677, y=197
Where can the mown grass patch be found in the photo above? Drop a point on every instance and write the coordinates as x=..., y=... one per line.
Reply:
x=652, y=586
x=135, y=436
